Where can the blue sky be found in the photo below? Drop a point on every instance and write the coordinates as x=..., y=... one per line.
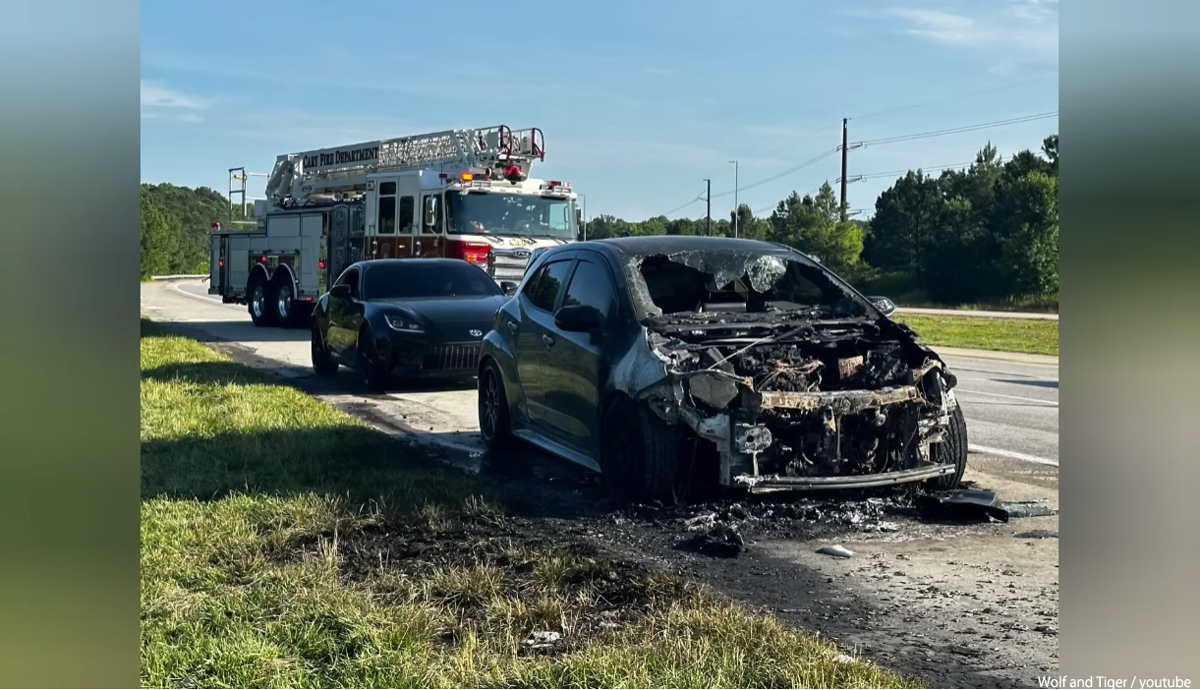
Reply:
x=639, y=101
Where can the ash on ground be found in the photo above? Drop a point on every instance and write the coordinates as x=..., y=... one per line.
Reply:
x=724, y=529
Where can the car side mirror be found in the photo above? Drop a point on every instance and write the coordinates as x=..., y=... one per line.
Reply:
x=579, y=318
x=884, y=305
x=340, y=291
x=509, y=287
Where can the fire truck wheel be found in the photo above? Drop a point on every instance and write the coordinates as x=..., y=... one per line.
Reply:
x=283, y=299
x=262, y=313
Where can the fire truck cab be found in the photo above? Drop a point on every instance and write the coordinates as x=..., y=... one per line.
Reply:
x=463, y=194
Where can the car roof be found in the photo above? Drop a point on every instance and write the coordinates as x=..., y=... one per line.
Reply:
x=647, y=245
x=367, y=263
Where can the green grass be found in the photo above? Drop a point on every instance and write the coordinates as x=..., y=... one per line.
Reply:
x=1006, y=335
x=284, y=544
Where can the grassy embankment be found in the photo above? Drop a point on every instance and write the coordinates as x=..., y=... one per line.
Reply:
x=1006, y=335
x=286, y=545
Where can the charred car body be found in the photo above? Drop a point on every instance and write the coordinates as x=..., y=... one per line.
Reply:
x=640, y=356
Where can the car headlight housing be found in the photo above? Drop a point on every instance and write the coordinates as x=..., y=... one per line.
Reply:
x=400, y=323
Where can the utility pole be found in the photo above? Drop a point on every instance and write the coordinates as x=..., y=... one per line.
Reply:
x=845, y=150
x=708, y=207
x=735, y=200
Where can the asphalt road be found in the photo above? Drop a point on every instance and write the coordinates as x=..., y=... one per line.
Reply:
x=1011, y=406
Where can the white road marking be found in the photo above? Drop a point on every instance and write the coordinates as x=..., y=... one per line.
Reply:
x=205, y=298
x=1012, y=454
x=1010, y=397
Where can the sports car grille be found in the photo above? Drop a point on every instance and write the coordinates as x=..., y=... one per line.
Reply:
x=452, y=357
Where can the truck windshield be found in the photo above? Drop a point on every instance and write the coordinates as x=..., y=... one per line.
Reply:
x=518, y=215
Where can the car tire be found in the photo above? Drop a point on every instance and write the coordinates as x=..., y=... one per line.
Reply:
x=283, y=301
x=952, y=449
x=639, y=455
x=322, y=363
x=374, y=374
x=258, y=302
x=495, y=424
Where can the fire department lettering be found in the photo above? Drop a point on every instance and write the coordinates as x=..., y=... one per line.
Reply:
x=323, y=159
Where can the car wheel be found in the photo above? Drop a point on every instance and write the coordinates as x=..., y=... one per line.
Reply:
x=639, y=456
x=322, y=363
x=952, y=449
x=283, y=299
x=495, y=426
x=261, y=311
x=374, y=374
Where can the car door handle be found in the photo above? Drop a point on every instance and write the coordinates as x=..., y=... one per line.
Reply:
x=548, y=340
x=512, y=326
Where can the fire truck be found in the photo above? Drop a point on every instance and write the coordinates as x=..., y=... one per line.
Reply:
x=464, y=194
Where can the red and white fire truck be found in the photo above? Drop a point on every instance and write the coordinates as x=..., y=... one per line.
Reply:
x=463, y=194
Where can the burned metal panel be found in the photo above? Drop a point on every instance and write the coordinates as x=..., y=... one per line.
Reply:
x=839, y=402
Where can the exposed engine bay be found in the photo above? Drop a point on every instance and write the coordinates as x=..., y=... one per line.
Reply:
x=796, y=379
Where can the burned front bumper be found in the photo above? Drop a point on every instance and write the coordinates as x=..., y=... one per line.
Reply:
x=741, y=443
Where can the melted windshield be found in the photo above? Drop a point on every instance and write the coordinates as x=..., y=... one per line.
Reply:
x=511, y=215
x=421, y=279
x=739, y=282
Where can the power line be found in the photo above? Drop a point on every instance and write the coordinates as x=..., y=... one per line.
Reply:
x=957, y=130
x=954, y=98
x=775, y=205
x=785, y=173
x=933, y=168
x=906, y=137
x=699, y=197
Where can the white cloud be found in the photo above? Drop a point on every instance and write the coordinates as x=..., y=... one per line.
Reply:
x=161, y=102
x=1028, y=26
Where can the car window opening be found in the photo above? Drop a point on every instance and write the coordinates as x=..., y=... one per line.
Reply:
x=738, y=282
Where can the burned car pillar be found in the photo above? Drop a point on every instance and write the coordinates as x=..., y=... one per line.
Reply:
x=798, y=381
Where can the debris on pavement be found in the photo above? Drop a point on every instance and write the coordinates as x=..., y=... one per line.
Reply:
x=964, y=504
x=1037, y=534
x=725, y=541
x=700, y=522
x=837, y=551
x=1028, y=509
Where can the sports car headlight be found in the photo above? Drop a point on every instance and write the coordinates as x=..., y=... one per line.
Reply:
x=399, y=323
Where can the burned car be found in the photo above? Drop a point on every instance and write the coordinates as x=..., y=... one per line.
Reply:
x=671, y=363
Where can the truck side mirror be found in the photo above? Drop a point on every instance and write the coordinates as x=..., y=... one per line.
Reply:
x=430, y=211
x=578, y=216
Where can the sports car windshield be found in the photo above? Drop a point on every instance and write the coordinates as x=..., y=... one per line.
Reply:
x=740, y=282
x=427, y=279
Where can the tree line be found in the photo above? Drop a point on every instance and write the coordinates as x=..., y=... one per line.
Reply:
x=984, y=234
x=175, y=227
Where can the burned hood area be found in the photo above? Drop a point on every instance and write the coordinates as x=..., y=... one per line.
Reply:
x=796, y=380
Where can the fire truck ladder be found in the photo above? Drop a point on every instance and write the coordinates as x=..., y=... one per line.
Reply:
x=238, y=183
x=486, y=147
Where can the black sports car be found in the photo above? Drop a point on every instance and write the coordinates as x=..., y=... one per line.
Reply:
x=409, y=317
